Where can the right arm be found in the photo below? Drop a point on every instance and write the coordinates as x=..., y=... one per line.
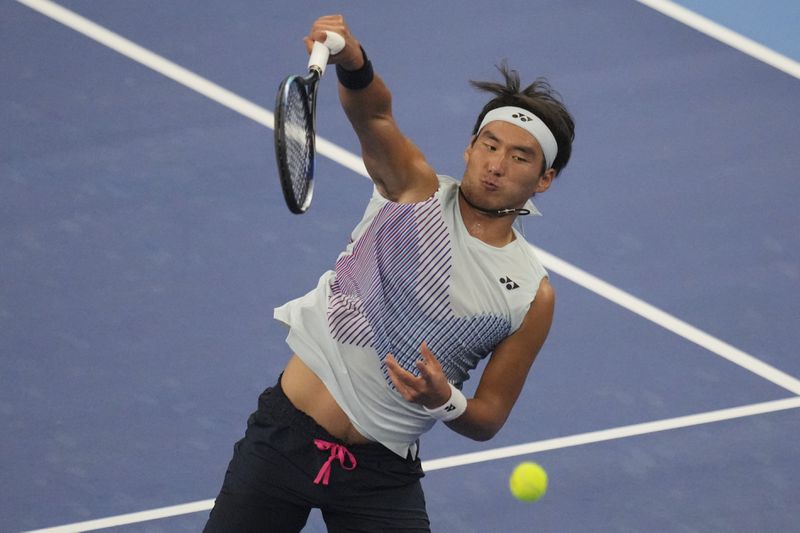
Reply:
x=397, y=167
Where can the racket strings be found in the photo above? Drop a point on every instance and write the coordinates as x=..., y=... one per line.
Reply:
x=298, y=141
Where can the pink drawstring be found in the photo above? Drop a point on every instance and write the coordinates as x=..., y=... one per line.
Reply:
x=337, y=452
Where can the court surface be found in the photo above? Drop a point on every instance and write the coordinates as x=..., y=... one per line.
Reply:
x=145, y=243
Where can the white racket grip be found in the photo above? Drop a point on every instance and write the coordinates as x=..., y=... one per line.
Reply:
x=319, y=53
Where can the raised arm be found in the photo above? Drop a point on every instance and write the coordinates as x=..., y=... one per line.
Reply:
x=394, y=163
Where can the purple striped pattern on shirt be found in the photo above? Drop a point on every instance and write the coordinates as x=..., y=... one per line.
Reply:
x=392, y=292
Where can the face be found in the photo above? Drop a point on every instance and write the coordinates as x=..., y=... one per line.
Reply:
x=504, y=167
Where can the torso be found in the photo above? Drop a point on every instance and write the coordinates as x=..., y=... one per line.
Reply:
x=468, y=296
x=310, y=395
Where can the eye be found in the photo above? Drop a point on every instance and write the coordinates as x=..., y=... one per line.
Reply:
x=520, y=159
x=490, y=147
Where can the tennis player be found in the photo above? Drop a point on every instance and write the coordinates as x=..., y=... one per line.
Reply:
x=435, y=278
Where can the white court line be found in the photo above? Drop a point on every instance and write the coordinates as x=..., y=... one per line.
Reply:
x=183, y=76
x=131, y=518
x=353, y=162
x=477, y=457
x=613, y=433
x=668, y=322
x=725, y=35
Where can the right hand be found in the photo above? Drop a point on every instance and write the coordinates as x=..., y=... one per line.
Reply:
x=350, y=57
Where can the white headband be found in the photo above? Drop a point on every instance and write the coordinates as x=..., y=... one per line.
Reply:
x=530, y=123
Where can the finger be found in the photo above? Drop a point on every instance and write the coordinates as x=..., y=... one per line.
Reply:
x=395, y=369
x=432, y=384
x=427, y=354
x=407, y=378
x=415, y=385
x=424, y=370
x=333, y=23
x=404, y=391
x=431, y=370
x=396, y=374
x=429, y=358
x=317, y=31
x=331, y=19
x=390, y=361
x=351, y=53
x=319, y=36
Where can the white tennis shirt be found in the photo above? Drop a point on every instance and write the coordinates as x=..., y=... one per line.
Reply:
x=411, y=273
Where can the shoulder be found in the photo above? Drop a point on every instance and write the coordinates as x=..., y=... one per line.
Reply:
x=539, y=316
x=542, y=307
x=545, y=294
x=534, y=263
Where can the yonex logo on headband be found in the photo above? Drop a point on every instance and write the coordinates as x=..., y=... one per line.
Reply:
x=529, y=122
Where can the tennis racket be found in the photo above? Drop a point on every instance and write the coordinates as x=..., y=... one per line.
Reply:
x=295, y=127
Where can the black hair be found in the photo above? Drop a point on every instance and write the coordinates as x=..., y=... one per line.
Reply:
x=538, y=98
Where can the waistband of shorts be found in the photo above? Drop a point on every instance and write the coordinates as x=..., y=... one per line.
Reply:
x=275, y=404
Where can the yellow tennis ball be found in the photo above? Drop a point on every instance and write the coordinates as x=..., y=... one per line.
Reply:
x=528, y=482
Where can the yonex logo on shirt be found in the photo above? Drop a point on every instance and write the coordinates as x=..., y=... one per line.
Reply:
x=509, y=283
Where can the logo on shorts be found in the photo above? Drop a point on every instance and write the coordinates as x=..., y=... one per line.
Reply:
x=509, y=283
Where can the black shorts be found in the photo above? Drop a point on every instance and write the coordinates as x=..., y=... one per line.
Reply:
x=287, y=465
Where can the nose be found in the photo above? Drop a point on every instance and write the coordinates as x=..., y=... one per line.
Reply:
x=496, y=163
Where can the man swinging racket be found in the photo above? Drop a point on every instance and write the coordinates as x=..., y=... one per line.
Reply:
x=435, y=279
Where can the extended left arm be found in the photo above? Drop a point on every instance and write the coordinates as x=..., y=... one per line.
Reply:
x=502, y=379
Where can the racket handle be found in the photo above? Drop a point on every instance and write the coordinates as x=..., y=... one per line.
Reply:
x=319, y=53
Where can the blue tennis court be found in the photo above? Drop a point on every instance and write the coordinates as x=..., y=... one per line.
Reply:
x=145, y=244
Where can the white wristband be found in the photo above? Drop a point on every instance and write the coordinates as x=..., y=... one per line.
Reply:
x=452, y=408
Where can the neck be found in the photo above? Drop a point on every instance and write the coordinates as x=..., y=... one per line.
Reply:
x=493, y=212
x=494, y=230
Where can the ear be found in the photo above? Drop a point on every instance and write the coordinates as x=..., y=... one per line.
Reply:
x=545, y=180
x=468, y=149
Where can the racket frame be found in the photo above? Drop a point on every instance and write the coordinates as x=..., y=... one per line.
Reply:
x=308, y=88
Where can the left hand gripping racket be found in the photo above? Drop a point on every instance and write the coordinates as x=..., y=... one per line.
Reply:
x=295, y=127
